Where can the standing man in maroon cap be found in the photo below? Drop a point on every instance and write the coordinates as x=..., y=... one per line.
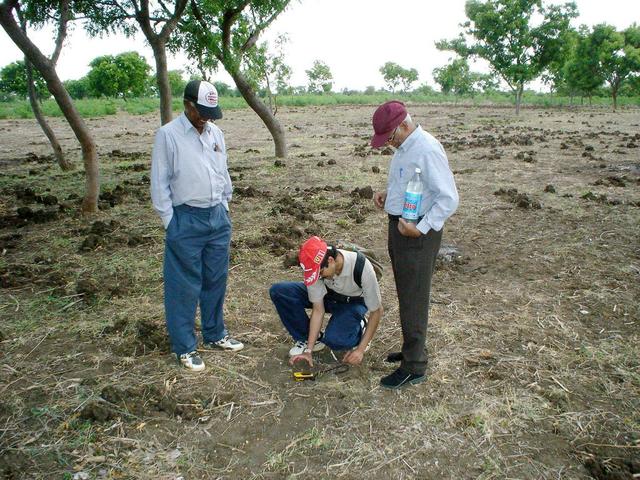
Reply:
x=413, y=246
x=190, y=191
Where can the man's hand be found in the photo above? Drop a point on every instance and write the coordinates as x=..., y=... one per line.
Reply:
x=379, y=198
x=408, y=229
x=307, y=357
x=354, y=357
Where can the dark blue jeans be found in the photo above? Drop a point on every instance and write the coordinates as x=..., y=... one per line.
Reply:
x=343, y=330
x=196, y=264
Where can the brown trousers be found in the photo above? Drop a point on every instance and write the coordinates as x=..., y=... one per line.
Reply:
x=413, y=261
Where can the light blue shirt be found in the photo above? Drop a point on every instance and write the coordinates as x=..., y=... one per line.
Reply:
x=439, y=195
x=188, y=168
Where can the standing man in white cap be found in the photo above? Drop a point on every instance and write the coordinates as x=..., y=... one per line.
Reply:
x=413, y=247
x=191, y=190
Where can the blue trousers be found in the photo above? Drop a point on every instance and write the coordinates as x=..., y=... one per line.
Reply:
x=196, y=264
x=343, y=330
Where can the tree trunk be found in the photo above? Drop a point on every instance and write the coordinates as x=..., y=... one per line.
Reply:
x=37, y=112
x=519, y=98
x=162, y=78
x=258, y=106
x=64, y=101
x=614, y=95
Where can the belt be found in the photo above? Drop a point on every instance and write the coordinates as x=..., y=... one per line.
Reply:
x=395, y=218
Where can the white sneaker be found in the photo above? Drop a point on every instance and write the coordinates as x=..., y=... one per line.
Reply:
x=225, y=343
x=191, y=361
x=299, y=347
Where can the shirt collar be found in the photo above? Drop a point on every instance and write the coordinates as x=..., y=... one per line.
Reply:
x=186, y=124
x=411, y=139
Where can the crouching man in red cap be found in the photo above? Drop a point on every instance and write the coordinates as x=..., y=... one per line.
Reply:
x=413, y=246
x=330, y=285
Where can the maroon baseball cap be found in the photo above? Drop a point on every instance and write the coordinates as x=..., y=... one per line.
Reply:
x=385, y=120
x=312, y=253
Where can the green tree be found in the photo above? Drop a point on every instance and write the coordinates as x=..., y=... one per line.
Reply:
x=618, y=55
x=123, y=75
x=13, y=79
x=77, y=88
x=456, y=77
x=504, y=36
x=581, y=73
x=176, y=83
x=555, y=74
x=320, y=77
x=156, y=21
x=222, y=32
x=394, y=75
x=268, y=72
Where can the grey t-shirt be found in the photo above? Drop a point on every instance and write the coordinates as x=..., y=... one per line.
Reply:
x=345, y=285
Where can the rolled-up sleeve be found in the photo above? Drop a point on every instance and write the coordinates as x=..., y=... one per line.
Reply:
x=161, y=177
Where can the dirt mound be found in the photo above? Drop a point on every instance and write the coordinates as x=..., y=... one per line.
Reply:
x=613, y=469
x=130, y=402
x=287, y=205
x=521, y=200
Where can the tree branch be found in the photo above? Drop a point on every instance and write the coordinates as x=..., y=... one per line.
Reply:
x=65, y=14
x=253, y=38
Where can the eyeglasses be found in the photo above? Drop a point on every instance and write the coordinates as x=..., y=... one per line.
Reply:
x=393, y=135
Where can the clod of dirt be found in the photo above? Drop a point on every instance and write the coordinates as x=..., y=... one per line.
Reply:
x=290, y=260
x=331, y=162
x=97, y=412
x=521, y=200
x=279, y=163
x=152, y=336
x=101, y=228
x=9, y=241
x=320, y=163
x=375, y=169
x=47, y=200
x=37, y=216
x=550, y=189
x=528, y=156
x=611, y=181
x=25, y=194
x=364, y=192
x=612, y=469
x=449, y=254
x=251, y=150
x=87, y=287
x=91, y=242
x=600, y=198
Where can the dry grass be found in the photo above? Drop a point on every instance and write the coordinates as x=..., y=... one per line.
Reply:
x=533, y=340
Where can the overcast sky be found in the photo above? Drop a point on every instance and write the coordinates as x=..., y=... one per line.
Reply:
x=354, y=37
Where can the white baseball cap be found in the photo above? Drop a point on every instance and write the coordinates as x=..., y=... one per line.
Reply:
x=205, y=97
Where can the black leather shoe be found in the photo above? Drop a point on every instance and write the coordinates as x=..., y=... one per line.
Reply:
x=394, y=357
x=400, y=378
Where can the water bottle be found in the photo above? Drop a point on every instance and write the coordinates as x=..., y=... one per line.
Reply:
x=413, y=198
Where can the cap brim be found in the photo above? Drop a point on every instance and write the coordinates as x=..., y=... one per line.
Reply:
x=210, y=113
x=312, y=277
x=379, y=139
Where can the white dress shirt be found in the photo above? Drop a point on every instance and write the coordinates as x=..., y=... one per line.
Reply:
x=188, y=168
x=439, y=194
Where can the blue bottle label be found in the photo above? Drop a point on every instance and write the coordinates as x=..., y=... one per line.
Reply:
x=411, y=209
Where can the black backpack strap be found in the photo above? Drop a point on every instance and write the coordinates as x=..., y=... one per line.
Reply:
x=359, y=267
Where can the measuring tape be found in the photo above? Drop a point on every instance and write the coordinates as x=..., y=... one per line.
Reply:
x=302, y=376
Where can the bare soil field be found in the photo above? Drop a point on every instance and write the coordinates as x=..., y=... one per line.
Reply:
x=533, y=340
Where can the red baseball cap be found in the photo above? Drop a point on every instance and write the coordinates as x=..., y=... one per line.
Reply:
x=311, y=254
x=385, y=120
